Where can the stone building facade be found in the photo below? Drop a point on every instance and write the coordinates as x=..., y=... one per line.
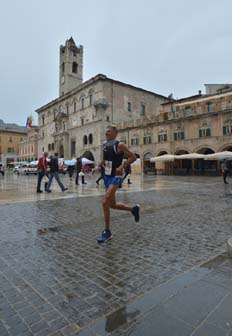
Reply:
x=74, y=123
x=28, y=147
x=150, y=124
x=201, y=124
x=10, y=137
x=198, y=124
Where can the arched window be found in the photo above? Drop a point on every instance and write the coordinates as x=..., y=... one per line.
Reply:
x=85, y=140
x=82, y=102
x=49, y=147
x=74, y=67
x=74, y=106
x=90, y=138
x=90, y=97
x=63, y=68
x=53, y=147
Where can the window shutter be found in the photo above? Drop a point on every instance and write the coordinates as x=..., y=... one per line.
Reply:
x=182, y=135
x=165, y=137
x=208, y=132
x=175, y=136
x=224, y=130
x=158, y=138
x=200, y=133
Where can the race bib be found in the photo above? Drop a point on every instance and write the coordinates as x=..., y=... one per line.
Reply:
x=108, y=167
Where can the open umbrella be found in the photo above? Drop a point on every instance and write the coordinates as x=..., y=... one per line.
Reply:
x=163, y=158
x=218, y=156
x=69, y=162
x=86, y=161
x=137, y=162
x=189, y=156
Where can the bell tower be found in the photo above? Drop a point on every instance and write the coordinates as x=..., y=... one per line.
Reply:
x=71, y=66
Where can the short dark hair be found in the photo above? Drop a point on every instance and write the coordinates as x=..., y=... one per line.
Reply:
x=56, y=154
x=113, y=127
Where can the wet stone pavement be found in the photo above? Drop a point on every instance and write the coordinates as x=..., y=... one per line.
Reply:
x=56, y=280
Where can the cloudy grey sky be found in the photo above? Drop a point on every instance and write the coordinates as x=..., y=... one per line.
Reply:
x=168, y=46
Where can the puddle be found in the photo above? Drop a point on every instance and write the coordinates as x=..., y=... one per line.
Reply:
x=115, y=320
x=45, y=231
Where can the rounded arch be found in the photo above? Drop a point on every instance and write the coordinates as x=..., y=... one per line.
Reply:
x=73, y=100
x=147, y=156
x=205, y=166
x=162, y=152
x=180, y=151
x=88, y=155
x=61, y=108
x=181, y=165
x=82, y=95
x=204, y=150
x=227, y=147
x=148, y=167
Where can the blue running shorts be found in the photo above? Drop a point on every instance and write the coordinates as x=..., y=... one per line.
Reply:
x=108, y=180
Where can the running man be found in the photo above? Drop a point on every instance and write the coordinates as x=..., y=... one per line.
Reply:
x=113, y=152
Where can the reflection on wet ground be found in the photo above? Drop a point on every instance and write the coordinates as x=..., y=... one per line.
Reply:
x=194, y=303
x=14, y=188
x=54, y=276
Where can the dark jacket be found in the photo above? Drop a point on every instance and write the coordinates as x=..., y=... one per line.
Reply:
x=54, y=164
x=78, y=165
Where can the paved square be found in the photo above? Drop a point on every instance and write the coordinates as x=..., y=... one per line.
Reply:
x=56, y=280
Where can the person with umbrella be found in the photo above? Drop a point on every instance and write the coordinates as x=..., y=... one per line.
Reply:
x=79, y=171
x=70, y=169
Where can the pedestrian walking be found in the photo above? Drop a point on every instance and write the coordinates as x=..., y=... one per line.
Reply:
x=113, y=152
x=78, y=169
x=101, y=169
x=2, y=169
x=42, y=167
x=225, y=170
x=82, y=175
x=70, y=170
x=54, y=172
x=127, y=173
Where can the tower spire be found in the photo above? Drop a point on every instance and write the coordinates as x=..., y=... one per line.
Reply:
x=71, y=66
